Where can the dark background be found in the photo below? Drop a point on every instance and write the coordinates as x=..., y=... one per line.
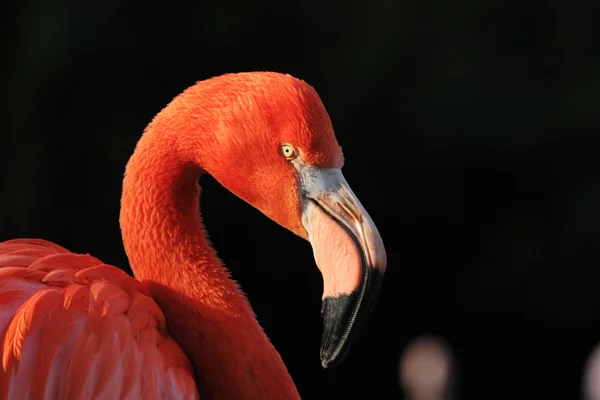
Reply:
x=471, y=134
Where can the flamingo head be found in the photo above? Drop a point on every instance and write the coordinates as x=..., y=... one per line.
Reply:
x=272, y=144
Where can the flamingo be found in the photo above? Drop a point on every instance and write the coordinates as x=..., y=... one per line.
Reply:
x=72, y=327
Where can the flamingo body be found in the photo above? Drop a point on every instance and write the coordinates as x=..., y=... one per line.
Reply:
x=73, y=327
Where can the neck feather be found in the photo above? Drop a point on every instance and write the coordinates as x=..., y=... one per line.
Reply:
x=206, y=311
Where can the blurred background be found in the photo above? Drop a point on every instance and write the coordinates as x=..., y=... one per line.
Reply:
x=471, y=131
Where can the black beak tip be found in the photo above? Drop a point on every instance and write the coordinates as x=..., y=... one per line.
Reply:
x=343, y=318
x=336, y=313
x=327, y=361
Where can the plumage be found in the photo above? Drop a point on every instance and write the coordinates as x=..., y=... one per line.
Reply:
x=75, y=328
x=72, y=327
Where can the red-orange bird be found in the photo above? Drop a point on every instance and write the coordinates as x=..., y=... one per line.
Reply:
x=73, y=327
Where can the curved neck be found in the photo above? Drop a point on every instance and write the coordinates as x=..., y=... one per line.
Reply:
x=206, y=311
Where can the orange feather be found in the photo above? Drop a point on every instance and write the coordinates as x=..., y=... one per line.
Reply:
x=78, y=330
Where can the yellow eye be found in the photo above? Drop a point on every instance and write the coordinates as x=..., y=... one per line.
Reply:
x=288, y=151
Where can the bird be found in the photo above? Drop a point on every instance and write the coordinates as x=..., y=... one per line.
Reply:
x=73, y=327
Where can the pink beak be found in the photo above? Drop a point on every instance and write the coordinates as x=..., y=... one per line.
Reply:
x=349, y=253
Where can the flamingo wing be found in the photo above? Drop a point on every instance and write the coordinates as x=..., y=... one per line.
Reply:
x=72, y=327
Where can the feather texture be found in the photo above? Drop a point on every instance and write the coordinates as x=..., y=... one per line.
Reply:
x=73, y=327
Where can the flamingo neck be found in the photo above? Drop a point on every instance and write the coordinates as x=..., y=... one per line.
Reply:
x=206, y=311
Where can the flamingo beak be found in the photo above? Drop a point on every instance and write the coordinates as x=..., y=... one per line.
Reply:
x=349, y=253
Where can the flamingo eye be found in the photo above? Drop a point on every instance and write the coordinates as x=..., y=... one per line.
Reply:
x=288, y=151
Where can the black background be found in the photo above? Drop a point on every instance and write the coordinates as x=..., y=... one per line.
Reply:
x=471, y=135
